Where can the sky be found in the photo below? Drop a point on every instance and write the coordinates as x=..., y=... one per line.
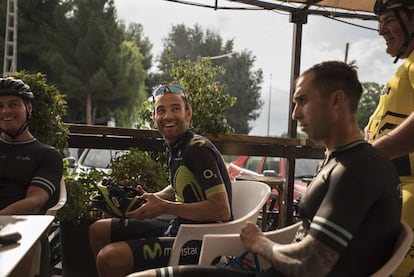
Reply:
x=268, y=35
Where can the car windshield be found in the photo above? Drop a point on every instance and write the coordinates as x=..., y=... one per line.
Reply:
x=306, y=167
x=100, y=158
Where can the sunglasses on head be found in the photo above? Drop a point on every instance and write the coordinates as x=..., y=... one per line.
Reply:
x=162, y=89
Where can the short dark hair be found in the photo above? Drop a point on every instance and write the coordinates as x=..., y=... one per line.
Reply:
x=183, y=96
x=330, y=76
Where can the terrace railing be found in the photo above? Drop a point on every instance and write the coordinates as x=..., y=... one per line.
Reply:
x=102, y=137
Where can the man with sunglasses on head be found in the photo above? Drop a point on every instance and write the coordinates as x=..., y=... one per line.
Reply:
x=391, y=126
x=199, y=191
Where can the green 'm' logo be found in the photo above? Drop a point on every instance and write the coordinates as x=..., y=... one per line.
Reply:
x=152, y=253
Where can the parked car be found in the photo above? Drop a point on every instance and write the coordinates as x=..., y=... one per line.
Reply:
x=305, y=169
x=99, y=159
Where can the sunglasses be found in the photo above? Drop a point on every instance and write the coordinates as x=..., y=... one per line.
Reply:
x=162, y=89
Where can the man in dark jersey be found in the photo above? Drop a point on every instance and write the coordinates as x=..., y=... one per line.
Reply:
x=30, y=171
x=199, y=191
x=350, y=211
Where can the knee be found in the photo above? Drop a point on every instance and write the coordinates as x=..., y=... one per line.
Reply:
x=106, y=256
x=114, y=257
x=99, y=230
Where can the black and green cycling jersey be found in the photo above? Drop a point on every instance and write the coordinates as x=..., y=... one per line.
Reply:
x=197, y=170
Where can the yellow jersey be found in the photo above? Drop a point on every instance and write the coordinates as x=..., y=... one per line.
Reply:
x=395, y=105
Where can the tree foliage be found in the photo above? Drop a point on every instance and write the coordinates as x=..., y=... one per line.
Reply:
x=134, y=32
x=368, y=103
x=87, y=53
x=244, y=84
x=102, y=74
x=241, y=80
x=206, y=95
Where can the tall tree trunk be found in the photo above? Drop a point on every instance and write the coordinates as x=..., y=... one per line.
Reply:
x=88, y=108
x=94, y=114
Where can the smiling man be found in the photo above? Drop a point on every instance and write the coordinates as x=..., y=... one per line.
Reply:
x=30, y=171
x=199, y=191
x=391, y=126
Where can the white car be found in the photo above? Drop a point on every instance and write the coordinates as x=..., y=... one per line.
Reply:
x=99, y=159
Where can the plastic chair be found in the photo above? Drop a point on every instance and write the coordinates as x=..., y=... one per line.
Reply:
x=401, y=248
x=43, y=251
x=62, y=199
x=247, y=201
x=230, y=245
x=215, y=245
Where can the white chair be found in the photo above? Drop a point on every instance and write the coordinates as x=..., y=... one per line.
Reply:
x=248, y=198
x=230, y=245
x=401, y=248
x=42, y=253
x=62, y=199
x=215, y=245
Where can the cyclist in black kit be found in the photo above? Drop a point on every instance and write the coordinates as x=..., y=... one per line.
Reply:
x=30, y=171
x=199, y=191
x=350, y=211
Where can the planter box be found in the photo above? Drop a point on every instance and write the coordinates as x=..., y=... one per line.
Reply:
x=77, y=257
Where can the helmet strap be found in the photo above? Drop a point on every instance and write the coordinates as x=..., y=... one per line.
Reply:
x=19, y=132
x=407, y=36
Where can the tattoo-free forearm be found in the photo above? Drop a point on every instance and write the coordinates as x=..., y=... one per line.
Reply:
x=399, y=141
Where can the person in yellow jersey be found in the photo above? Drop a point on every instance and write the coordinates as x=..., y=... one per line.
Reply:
x=391, y=126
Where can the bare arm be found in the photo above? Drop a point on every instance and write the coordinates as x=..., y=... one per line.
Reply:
x=399, y=141
x=306, y=258
x=167, y=193
x=35, y=199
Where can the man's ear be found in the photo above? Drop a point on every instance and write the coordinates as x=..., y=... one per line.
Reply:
x=337, y=98
x=153, y=118
x=29, y=107
x=189, y=112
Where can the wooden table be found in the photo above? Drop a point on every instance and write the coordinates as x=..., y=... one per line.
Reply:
x=274, y=183
x=31, y=227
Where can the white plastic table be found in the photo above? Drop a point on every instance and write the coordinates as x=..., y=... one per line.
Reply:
x=31, y=227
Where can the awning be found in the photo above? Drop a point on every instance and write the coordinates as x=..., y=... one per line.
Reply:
x=352, y=5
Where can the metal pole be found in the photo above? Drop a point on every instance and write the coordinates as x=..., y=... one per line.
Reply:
x=270, y=101
x=10, y=39
x=346, y=52
x=298, y=17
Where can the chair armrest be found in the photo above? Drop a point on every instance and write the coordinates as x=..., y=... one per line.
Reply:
x=219, y=244
x=188, y=232
x=214, y=245
x=61, y=201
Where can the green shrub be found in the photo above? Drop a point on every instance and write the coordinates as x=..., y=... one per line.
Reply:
x=140, y=168
x=131, y=169
x=79, y=188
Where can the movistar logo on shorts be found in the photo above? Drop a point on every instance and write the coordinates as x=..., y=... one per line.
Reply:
x=152, y=253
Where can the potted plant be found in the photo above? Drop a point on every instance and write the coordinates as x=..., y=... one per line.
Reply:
x=133, y=168
x=75, y=218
